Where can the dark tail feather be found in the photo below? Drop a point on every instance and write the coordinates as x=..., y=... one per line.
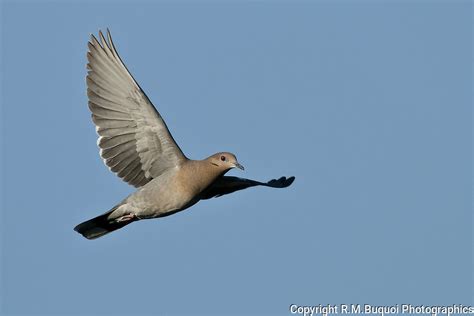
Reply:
x=99, y=226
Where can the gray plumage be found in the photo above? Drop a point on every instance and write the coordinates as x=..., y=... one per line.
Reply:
x=135, y=144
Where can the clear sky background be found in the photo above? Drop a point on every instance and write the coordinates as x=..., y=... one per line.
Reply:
x=367, y=104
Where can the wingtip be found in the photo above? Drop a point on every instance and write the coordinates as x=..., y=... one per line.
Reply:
x=282, y=182
x=93, y=42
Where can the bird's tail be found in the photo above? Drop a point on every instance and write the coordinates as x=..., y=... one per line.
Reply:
x=100, y=225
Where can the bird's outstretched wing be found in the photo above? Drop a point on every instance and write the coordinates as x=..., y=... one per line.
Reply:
x=134, y=140
x=226, y=185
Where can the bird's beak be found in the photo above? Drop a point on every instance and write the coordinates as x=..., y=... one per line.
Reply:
x=238, y=165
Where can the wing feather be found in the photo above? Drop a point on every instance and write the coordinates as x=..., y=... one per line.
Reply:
x=124, y=163
x=134, y=141
x=117, y=150
x=123, y=160
x=96, y=101
x=226, y=185
x=109, y=142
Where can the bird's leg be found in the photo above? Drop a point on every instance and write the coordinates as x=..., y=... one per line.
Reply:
x=125, y=218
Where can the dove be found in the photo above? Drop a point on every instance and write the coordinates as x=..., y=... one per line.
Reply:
x=136, y=144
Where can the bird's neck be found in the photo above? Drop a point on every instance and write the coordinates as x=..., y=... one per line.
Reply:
x=203, y=174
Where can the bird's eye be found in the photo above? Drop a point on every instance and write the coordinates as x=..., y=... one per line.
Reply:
x=223, y=158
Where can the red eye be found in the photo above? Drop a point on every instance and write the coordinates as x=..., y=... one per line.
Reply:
x=223, y=158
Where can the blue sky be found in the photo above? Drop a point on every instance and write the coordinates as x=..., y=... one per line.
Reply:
x=368, y=104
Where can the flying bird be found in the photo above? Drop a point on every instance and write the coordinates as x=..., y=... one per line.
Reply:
x=135, y=144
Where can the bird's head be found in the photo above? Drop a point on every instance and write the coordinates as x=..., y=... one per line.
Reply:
x=225, y=161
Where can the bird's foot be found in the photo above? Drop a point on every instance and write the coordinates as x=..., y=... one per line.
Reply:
x=126, y=218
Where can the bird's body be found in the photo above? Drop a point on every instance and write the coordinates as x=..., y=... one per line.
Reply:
x=159, y=197
x=136, y=144
x=174, y=190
